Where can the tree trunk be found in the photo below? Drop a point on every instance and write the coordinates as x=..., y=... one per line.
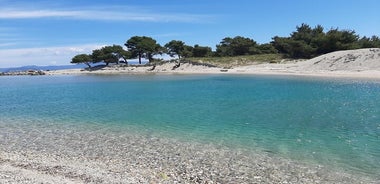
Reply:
x=150, y=57
x=125, y=60
x=88, y=64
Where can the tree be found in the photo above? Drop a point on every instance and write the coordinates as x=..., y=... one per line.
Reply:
x=281, y=44
x=318, y=40
x=303, y=33
x=142, y=46
x=200, y=51
x=224, y=48
x=110, y=54
x=187, y=51
x=293, y=48
x=82, y=58
x=339, y=40
x=236, y=46
x=266, y=48
x=175, y=47
x=306, y=42
x=373, y=42
x=99, y=55
x=302, y=41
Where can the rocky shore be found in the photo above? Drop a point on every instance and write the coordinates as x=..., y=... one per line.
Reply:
x=66, y=153
x=28, y=72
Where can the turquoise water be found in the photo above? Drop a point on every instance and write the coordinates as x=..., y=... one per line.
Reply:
x=329, y=122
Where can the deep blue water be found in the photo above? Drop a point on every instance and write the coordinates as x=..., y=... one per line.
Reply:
x=324, y=121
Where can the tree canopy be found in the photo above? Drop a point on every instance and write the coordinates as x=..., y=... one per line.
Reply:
x=107, y=54
x=142, y=46
x=110, y=54
x=307, y=42
x=175, y=47
x=201, y=51
x=236, y=46
x=373, y=42
x=82, y=58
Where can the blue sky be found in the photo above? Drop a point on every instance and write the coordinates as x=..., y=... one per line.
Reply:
x=44, y=32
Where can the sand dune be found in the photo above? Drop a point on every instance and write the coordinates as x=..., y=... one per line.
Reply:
x=350, y=60
x=361, y=63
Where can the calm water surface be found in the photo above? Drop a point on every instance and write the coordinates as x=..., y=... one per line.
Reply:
x=330, y=122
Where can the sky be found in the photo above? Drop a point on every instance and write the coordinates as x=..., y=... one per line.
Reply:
x=45, y=32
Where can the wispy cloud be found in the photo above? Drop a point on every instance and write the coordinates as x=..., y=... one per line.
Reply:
x=10, y=37
x=6, y=44
x=101, y=14
x=43, y=56
x=25, y=14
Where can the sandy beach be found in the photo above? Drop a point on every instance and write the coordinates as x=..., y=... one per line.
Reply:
x=362, y=63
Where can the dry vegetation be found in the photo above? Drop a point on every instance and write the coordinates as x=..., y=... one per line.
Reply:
x=228, y=62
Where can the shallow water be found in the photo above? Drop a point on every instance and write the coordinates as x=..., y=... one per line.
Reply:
x=323, y=121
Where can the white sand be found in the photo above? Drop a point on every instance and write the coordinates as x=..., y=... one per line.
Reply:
x=361, y=63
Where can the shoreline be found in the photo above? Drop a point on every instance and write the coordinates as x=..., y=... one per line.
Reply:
x=261, y=69
x=359, y=63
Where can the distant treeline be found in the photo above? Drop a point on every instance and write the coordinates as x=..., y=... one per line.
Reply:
x=305, y=42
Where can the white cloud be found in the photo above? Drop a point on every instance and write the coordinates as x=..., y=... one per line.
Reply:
x=103, y=14
x=43, y=56
x=9, y=37
x=23, y=14
x=6, y=44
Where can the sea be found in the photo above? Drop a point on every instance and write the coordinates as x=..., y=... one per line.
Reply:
x=326, y=121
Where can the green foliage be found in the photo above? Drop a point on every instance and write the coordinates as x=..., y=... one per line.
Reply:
x=230, y=61
x=304, y=42
x=187, y=51
x=301, y=44
x=307, y=42
x=373, y=42
x=175, y=47
x=267, y=49
x=110, y=54
x=142, y=46
x=236, y=46
x=201, y=51
x=82, y=58
x=338, y=40
x=239, y=46
x=100, y=55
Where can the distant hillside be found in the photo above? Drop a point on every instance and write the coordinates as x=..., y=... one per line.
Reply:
x=44, y=68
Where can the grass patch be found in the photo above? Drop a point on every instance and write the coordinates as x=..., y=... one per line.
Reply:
x=228, y=62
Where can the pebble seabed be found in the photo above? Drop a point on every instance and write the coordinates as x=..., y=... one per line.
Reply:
x=33, y=152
